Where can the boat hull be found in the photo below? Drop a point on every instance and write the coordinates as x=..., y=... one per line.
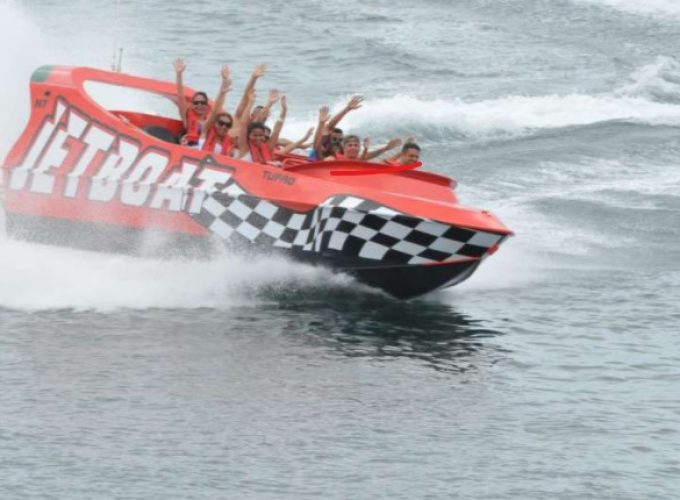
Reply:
x=399, y=280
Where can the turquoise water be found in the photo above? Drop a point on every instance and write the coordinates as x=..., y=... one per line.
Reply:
x=551, y=373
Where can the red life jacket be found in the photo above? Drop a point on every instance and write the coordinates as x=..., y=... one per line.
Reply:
x=194, y=126
x=259, y=152
x=212, y=140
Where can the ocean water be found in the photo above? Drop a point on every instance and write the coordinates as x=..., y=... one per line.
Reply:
x=553, y=373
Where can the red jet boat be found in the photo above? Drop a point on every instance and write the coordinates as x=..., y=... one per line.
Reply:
x=84, y=176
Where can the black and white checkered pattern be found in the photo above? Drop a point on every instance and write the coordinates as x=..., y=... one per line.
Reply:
x=346, y=224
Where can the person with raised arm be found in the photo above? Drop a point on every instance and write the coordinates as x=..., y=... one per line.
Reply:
x=193, y=117
x=351, y=149
x=331, y=139
x=248, y=92
x=252, y=144
x=219, y=131
x=318, y=146
x=273, y=141
x=354, y=103
x=261, y=113
x=292, y=146
x=258, y=148
x=242, y=125
x=410, y=153
x=369, y=155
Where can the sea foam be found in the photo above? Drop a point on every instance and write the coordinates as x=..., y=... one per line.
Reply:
x=655, y=7
x=508, y=116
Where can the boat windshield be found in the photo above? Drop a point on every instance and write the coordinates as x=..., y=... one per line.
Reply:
x=114, y=97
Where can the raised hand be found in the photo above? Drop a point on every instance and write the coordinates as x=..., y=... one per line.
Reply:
x=179, y=66
x=367, y=143
x=259, y=70
x=393, y=143
x=226, y=85
x=274, y=95
x=226, y=72
x=284, y=103
x=355, y=102
x=324, y=114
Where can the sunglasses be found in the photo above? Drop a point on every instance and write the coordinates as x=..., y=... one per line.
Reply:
x=224, y=124
x=199, y=103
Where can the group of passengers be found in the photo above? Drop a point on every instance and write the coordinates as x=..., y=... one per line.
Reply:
x=244, y=134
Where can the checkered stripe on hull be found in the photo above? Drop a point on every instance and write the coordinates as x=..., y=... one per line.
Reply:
x=348, y=225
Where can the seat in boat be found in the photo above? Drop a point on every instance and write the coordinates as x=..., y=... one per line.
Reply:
x=161, y=133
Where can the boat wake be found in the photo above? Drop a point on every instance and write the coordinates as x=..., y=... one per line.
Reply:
x=38, y=277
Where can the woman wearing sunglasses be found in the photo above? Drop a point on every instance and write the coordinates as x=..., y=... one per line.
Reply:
x=195, y=116
x=219, y=130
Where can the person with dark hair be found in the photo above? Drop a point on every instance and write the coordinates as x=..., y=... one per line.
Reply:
x=220, y=137
x=319, y=147
x=336, y=138
x=351, y=149
x=192, y=117
x=410, y=153
x=218, y=132
x=257, y=148
x=328, y=139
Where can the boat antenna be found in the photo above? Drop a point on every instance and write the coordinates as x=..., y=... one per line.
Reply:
x=117, y=61
x=120, y=60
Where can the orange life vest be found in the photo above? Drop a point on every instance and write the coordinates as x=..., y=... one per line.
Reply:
x=213, y=140
x=259, y=152
x=194, y=126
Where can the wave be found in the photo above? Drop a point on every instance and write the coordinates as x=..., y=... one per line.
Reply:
x=658, y=81
x=505, y=117
x=659, y=7
x=592, y=208
x=649, y=96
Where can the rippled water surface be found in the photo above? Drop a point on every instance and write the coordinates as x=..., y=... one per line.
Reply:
x=552, y=373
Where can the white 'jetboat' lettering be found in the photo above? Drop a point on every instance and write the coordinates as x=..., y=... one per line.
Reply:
x=20, y=173
x=174, y=188
x=147, y=170
x=56, y=152
x=105, y=183
x=212, y=179
x=97, y=139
